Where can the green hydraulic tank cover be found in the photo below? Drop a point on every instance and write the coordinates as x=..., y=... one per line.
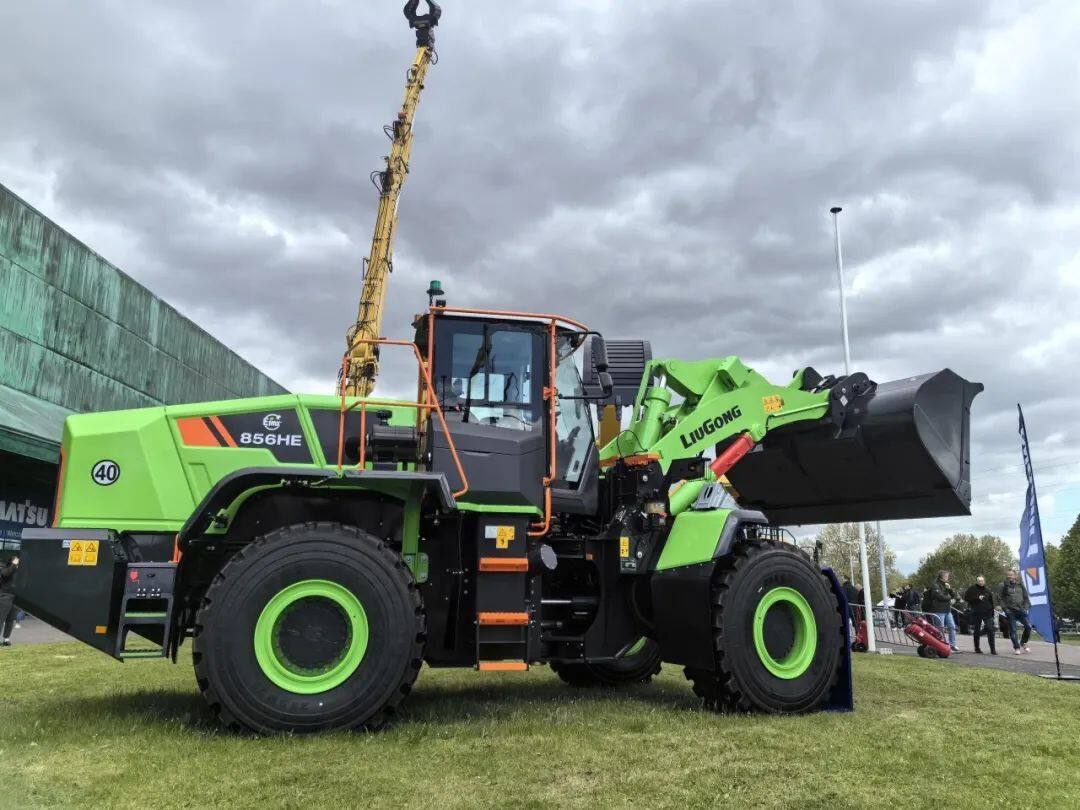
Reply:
x=693, y=538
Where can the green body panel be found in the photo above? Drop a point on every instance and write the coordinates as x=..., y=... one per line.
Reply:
x=162, y=479
x=152, y=491
x=693, y=538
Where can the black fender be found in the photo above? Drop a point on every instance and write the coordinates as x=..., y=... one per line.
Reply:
x=232, y=486
x=682, y=600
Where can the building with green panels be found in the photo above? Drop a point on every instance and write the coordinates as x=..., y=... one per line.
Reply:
x=77, y=334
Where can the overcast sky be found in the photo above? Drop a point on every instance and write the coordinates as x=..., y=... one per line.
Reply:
x=660, y=170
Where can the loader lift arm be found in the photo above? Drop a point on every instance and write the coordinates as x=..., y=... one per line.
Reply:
x=817, y=450
x=363, y=355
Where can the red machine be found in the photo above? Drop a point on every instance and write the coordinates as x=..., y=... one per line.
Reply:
x=931, y=640
x=860, y=643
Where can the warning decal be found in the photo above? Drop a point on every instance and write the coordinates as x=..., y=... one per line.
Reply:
x=83, y=552
x=503, y=536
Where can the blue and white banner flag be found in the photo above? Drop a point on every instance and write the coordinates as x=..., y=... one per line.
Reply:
x=1032, y=555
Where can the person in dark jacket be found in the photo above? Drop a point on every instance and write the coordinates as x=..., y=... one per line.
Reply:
x=914, y=599
x=938, y=600
x=981, y=600
x=7, y=601
x=853, y=603
x=849, y=590
x=1016, y=603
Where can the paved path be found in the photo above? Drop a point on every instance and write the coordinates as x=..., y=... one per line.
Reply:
x=35, y=631
x=1039, y=661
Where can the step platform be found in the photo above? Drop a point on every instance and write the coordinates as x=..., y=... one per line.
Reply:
x=507, y=595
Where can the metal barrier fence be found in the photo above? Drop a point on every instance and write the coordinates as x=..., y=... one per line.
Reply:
x=889, y=624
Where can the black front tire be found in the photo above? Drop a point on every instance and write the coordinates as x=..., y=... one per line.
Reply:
x=637, y=668
x=240, y=690
x=741, y=680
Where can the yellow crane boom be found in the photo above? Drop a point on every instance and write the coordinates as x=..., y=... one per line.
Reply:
x=363, y=366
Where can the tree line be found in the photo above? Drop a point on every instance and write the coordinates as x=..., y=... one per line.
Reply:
x=966, y=555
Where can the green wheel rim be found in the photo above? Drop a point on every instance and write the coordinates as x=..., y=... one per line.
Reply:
x=801, y=654
x=294, y=677
x=639, y=645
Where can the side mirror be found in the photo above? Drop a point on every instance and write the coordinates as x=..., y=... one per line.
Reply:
x=599, y=356
x=606, y=384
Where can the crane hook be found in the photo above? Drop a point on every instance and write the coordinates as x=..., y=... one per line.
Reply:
x=423, y=23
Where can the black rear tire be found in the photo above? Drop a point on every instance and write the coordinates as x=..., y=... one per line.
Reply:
x=807, y=653
x=248, y=694
x=637, y=668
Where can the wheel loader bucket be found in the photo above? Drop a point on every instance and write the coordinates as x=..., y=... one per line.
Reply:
x=903, y=451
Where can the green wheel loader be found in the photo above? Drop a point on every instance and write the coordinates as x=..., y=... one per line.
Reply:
x=317, y=550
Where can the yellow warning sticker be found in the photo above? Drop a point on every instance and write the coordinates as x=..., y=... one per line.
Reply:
x=772, y=403
x=83, y=552
x=503, y=536
x=624, y=546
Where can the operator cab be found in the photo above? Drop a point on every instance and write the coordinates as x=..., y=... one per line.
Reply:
x=490, y=372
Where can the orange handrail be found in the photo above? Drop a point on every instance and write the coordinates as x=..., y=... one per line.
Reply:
x=509, y=313
x=432, y=404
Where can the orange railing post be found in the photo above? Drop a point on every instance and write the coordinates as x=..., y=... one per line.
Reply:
x=431, y=404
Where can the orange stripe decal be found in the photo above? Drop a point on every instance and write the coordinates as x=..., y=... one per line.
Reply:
x=502, y=666
x=195, y=433
x=224, y=433
x=494, y=617
x=504, y=565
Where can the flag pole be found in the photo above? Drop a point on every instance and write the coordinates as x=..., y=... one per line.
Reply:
x=1026, y=448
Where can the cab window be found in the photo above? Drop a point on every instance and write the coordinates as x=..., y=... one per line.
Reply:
x=573, y=422
x=487, y=374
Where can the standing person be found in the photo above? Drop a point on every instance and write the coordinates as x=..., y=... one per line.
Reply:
x=1015, y=601
x=851, y=594
x=7, y=601
x=849, y=590
x=900, y=605
x=939, y=599
x=981, y=600
x=914, y=599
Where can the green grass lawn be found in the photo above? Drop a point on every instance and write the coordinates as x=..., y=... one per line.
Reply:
x=77, y=729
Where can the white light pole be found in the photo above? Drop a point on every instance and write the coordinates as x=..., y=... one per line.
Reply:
x=868, y=606
x=881, y=562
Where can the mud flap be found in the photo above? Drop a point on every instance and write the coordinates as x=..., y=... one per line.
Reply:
x=901, y=451
x=682, y=615
x=842, y=696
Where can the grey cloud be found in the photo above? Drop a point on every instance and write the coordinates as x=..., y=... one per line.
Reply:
x=659, y=170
